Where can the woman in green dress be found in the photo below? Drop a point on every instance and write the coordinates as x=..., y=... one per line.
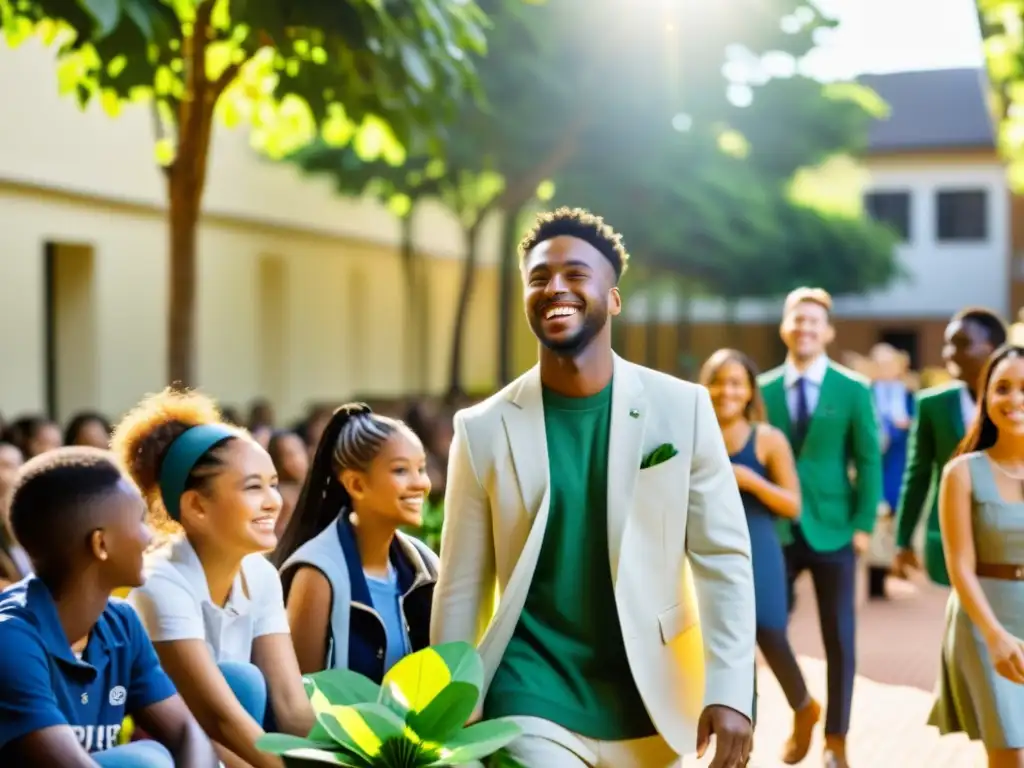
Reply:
x=981, y=513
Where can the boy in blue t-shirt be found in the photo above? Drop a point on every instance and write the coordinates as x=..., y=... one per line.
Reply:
x=74, y=660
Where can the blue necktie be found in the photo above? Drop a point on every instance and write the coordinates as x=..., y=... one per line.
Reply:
x=802, y=417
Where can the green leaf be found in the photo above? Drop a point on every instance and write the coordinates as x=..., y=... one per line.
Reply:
x=446, y=714
x=107, y=14
x=138, y=12
x=303, y=757
x=364, y=728
x=463, y=662
x=391, y=696
x=418, y=678
x=362, y=743
x=416, y=66
x=279, y=743
x=478, y=741
x=343, y=686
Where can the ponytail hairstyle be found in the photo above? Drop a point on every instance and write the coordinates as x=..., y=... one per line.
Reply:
x=352, y=439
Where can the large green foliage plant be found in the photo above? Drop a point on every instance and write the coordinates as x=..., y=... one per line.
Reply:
x=414, y=719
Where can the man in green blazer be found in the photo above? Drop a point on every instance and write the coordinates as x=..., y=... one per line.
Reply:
x=940, y=422
x=828, y=414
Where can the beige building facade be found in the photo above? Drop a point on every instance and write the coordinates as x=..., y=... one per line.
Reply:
x=301, y=294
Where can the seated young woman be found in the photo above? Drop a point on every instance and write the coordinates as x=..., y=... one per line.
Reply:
x=75, y=662
x=212, y=603
x=358, y=591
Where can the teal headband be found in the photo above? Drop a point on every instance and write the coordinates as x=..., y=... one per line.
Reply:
x=181, y=458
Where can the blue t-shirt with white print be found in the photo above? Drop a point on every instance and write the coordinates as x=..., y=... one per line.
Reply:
x=43, y=683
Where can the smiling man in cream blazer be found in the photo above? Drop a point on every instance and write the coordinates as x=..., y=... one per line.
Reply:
x=596, y=497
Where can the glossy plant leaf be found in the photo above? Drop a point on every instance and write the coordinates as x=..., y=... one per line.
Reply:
x=343, y=686
x=280, y=743
x=300, y=758
x=369, y=726
x=478, y=741
x=446, y=714
x=463, y=663
x=420, y=677
x=414, y=719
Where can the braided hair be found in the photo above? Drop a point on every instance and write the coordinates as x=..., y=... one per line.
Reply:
x=352, y=439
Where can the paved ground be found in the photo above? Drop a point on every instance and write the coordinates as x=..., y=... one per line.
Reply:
x=898, y=650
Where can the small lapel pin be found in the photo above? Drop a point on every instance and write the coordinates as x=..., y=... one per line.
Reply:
x=634, y=413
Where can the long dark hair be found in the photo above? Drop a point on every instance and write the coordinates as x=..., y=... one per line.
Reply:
x=982, y=432
x=754, y=411
x=351, y=440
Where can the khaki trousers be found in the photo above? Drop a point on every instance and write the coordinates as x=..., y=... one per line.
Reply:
x=544, y=744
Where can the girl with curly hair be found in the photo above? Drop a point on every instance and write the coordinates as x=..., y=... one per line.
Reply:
x=212, y=603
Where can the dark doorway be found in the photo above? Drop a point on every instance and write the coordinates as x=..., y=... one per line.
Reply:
x=70, y=377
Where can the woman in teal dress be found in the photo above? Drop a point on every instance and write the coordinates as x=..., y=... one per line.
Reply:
x=981, y=512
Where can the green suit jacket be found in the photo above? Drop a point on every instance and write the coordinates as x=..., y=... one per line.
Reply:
x=937, y=429
x=843, y=431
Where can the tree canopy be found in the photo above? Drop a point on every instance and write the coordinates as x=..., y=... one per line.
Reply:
x=626, y=110
x=1002, y=22
x=369, y=72
x=701, y=186
x=372, y=75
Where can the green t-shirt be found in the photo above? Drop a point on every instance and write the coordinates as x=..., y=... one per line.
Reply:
x=566, y=661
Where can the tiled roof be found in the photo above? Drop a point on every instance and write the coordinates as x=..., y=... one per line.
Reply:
x=932, y=109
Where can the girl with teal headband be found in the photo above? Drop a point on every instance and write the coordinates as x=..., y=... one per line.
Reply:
x=212, y=603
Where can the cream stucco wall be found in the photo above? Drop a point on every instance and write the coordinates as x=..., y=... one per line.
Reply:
x=301, y=294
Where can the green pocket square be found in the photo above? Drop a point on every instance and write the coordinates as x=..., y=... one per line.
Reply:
x=659, y=455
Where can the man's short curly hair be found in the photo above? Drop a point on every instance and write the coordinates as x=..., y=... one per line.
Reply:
x=54, y=500
x=583, y=225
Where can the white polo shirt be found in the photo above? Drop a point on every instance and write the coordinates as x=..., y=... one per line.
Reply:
x=175, y=603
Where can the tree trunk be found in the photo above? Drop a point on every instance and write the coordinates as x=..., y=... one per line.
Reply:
x=415, y=319
x=507, y=264
x=455, y=387
x=186, y=180
x=183, y=221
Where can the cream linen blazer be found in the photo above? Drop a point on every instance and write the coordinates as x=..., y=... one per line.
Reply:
x=679, y=550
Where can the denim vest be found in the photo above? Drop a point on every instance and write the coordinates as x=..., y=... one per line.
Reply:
x=357, y=639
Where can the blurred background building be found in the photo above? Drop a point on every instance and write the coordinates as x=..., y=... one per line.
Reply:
x=932, y=174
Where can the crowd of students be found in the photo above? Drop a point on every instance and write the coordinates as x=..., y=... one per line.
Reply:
x=249, y=557
x=208, y=650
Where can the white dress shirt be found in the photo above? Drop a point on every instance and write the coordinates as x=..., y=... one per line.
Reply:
x=813, y=377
